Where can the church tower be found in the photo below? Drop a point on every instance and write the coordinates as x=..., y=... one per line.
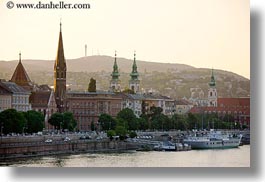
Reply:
x=20, y=76
x=212, y=92
x=134, y=83
x=60, y=75
x=115, y=83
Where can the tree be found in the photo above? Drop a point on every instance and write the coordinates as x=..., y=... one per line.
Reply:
x=35, y=121
x=143, y=123
x=128, y=91
x=12, y=121
x=68, y=121
x=92, y=86
x=63, y=121
x=56, y=120
x=92, y=127
x=192, y=121
x=129, y=116
x=121, y=132
x=111, y=133
x=107, y=122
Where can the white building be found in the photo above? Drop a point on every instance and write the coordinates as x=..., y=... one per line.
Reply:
x=19, y=98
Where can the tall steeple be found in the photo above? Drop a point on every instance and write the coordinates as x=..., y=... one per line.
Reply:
x=212, y=92
x=212, y=82
x=115, y=81
x=134, y=74
x=60, y=75
x=134, y=83
x=21, y=77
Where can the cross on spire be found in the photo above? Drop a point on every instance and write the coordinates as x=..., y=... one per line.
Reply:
x=60, y=24
x=19, y=56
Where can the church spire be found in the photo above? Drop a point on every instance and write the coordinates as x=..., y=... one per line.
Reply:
x=60, y=60
x=115, y=74
x=134, y=74
x=60, y=75
x=212, y=82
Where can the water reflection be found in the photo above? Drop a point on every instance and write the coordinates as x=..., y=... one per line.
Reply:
x=238, y=157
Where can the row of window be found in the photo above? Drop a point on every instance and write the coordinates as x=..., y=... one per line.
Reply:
x=21, y=99
x=224, y=112
x=22, y=108
x=5, y=101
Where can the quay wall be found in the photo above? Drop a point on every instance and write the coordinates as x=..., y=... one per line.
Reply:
x=9, y=151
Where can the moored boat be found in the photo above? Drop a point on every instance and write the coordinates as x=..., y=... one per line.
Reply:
x=213, y=140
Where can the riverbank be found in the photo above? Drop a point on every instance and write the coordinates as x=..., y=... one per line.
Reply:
x=33, y=149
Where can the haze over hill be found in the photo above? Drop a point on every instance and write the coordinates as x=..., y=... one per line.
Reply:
x=170, y=79
x=94, y=64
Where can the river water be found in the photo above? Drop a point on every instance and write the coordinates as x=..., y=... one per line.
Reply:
x=237, y=157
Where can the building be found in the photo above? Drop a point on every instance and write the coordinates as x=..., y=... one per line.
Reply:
x=60, y=75
x=183, y=106
x=198, y=97
x=238, y=108
x=115, y=83
x=44, y=102
x=134, y=83
x=88, y=106
x=21, y=78
x=133, y=102
x=5, y=97
x=19, y=96
x=212, y=92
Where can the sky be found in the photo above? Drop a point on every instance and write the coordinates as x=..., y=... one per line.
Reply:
x=201, y=33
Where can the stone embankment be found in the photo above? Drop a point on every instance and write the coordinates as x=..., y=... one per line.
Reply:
x=19, y=147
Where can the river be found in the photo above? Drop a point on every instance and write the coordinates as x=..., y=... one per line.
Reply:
x=236, y=157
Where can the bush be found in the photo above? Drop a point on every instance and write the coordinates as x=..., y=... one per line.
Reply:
x=111, y=133
x=132, y=134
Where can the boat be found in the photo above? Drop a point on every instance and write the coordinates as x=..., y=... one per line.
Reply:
x=165, y=146
x=214, y=140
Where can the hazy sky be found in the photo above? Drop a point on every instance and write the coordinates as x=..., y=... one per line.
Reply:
x=201, y=33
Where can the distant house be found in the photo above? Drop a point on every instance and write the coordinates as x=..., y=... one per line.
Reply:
x=44, y=102
x=5, y=98
x=132, y=101
x=183, y=106
x=239, y=108
x=19, y=96
x=88, y=106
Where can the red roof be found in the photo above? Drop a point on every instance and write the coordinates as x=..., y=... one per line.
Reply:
x=227, y=105
x=233, y=102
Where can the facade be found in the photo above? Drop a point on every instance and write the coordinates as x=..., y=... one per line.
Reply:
x=134, y=83
x=115, y=83
x=133, y=102
x=170, y=106
x=5, y=98
x=88, y=106
x=19, y=97
x=44, y=102
x=238, y=108
x=60, y=75
x=183, y=106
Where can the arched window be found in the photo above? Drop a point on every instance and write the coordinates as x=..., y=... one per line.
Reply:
x=211, y=94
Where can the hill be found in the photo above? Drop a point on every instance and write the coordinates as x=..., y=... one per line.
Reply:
x=174, y=80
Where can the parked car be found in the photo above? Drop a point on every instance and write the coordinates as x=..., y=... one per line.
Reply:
x=83, y=137
x=66, y=139
x=48, y=141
